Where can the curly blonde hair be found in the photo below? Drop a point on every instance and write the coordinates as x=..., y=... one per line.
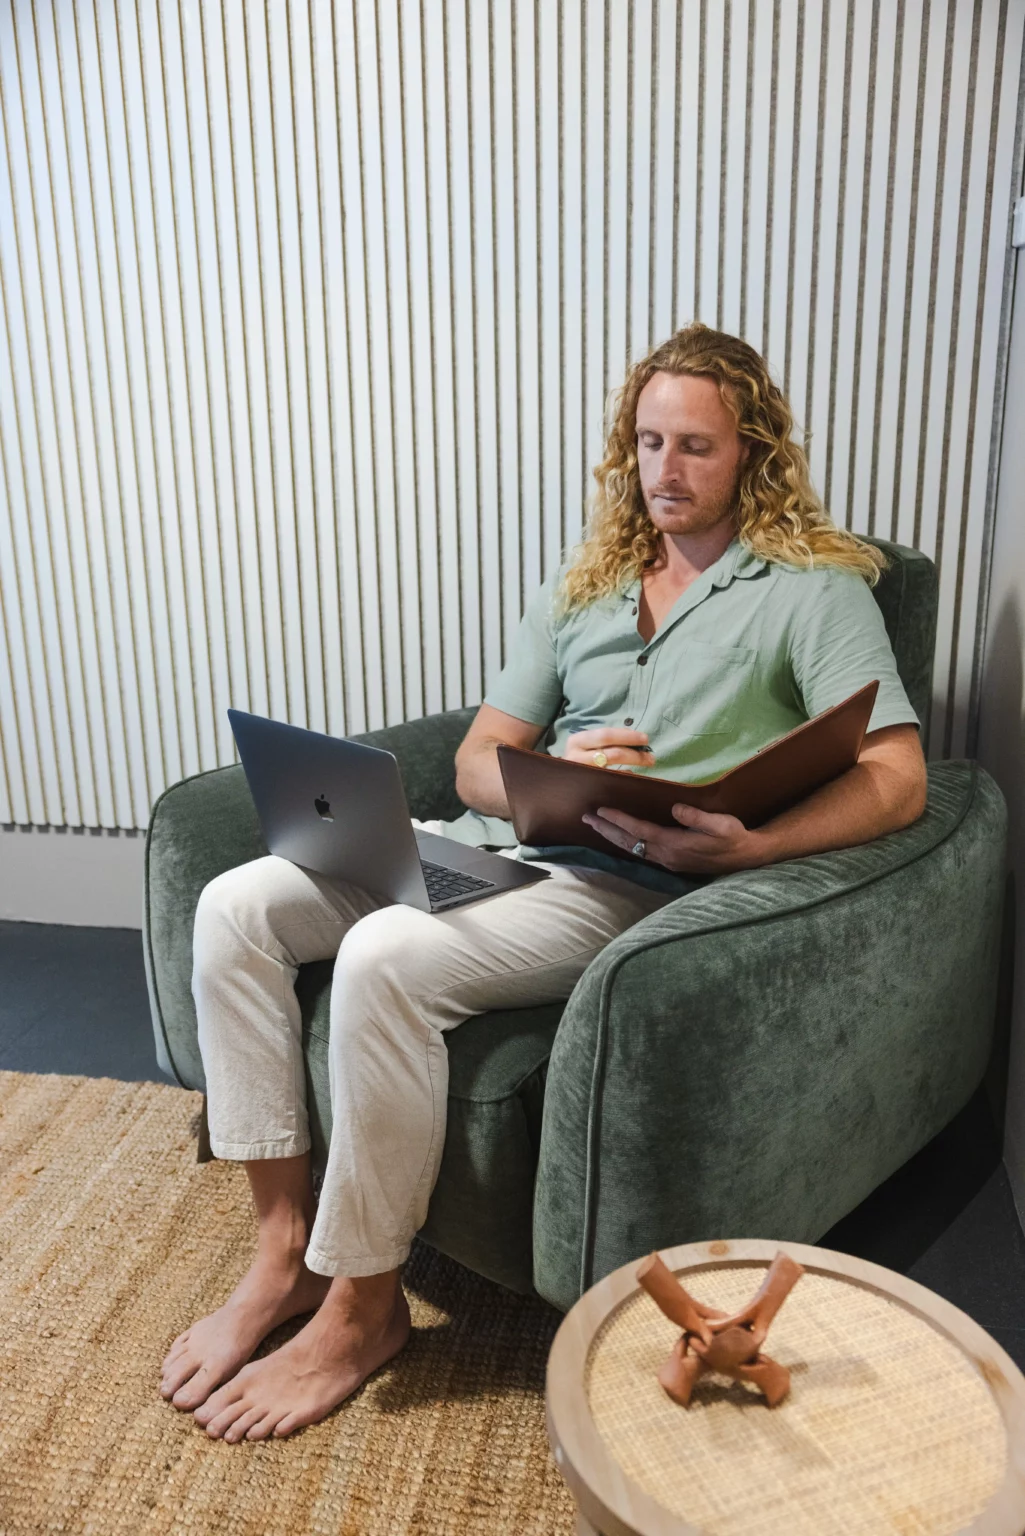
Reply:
x=779, y=516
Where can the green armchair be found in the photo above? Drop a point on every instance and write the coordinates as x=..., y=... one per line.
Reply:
x=750, y=1061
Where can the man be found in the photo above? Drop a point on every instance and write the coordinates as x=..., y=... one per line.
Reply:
x=712, y=608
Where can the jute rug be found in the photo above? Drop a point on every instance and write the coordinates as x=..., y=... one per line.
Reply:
x=113, y=1239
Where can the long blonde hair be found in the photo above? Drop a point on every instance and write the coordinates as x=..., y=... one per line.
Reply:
x=779, y=516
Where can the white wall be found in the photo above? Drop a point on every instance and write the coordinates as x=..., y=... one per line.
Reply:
x=309, y=311
x=1002, y=714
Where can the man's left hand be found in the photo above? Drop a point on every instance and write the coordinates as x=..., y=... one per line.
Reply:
x=703, y=843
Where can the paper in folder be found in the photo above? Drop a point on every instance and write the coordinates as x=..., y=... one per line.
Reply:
x=548, y=796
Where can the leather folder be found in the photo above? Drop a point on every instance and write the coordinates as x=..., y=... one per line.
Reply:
x=548, y=796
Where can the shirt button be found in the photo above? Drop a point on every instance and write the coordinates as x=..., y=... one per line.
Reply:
x=642, y=661
x=629, y=720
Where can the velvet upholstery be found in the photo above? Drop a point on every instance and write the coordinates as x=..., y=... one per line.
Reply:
x=751, y=1060
x=907, y=595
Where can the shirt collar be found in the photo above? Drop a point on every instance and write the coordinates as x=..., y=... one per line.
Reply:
x=736, y=563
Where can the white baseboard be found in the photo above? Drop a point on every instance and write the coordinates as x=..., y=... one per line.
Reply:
x=76, y=875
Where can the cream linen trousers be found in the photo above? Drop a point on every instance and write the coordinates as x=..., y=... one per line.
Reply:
x=401, y=979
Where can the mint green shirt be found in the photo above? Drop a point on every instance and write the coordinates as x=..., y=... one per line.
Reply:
x=749, y=651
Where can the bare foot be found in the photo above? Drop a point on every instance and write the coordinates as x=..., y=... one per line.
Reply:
x=302, y=1381
x=272, y=1291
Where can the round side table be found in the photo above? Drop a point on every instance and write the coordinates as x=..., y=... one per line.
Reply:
x=904, y=1418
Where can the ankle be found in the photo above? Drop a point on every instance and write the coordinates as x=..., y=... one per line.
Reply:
x=283, y=1243
x=372, y=1300
x=282, y=1190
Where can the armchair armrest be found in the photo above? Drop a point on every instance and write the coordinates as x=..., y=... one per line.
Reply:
x=754, y=1058
x=206, y=824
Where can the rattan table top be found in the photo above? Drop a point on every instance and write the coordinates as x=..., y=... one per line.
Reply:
x=892, y=1423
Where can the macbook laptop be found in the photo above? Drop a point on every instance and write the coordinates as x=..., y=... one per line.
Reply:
x=338, y=807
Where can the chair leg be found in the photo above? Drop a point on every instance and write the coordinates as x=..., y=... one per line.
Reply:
x=203, y=1152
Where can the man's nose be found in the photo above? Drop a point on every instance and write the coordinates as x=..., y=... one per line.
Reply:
x=670, y=467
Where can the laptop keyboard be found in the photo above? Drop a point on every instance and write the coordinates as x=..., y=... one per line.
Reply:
x=443, y=884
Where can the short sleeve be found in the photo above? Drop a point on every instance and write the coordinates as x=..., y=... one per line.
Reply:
x=839, y=643
x=529, y=685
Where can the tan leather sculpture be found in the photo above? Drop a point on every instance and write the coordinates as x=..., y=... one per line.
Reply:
x=712, y=1341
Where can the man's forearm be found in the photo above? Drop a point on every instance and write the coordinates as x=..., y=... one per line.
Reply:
x=479, y=782
x=868, y=801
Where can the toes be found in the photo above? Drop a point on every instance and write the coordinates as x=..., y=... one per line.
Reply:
x=244, y=1422
x=217, y=1402
x=290, y=1422
x=175, y=1369
x=179, y=1348
x=229, y=1417
x=195, y=1390
x=262, y=1428
x=173, y=1380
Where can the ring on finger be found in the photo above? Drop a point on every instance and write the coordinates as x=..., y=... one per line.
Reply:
x=599, y=758
x=640, y=848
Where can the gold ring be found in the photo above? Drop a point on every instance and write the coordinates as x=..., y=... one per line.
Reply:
x=599, y=759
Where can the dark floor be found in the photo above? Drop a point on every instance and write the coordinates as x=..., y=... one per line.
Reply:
x=73, y=1000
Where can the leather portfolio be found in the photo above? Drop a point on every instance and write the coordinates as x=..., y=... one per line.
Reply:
x=548, y=796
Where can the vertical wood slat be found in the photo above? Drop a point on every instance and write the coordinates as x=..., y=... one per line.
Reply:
x=801, y=234
x=484, y=378
x=1007, y=149
x=883, y=501
x=572, y=424
x=874, y=280
x=35, y=658
x=505, y=255
x=849, y=302
x=762, y=45
x=593, y=49
x=465, y=554
x=967, y=158
x=199, y=266
x=187, y=347
x=549, y=252
x=733, y=173
x=309, y=316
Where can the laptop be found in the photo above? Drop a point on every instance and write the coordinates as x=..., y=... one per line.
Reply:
x=338, y=807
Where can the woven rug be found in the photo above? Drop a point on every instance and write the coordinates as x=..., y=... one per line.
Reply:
x=113, y=1239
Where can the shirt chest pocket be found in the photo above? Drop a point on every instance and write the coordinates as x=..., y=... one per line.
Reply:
x=706, y=687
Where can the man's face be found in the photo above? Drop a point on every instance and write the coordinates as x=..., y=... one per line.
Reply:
x=689, y=453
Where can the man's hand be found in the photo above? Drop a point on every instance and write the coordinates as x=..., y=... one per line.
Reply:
x=620, y=746
x=884, y=791
x=703, y=844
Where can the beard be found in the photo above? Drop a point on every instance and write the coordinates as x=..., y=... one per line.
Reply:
x=698, y=514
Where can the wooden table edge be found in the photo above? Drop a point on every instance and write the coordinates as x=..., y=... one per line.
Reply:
x=617, y=1507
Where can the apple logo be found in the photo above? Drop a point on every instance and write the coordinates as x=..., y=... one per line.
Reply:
x=323, y=808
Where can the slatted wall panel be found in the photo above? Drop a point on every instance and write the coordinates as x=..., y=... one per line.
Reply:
x=308, y=314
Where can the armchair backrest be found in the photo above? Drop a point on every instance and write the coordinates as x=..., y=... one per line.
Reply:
x=907, y=593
